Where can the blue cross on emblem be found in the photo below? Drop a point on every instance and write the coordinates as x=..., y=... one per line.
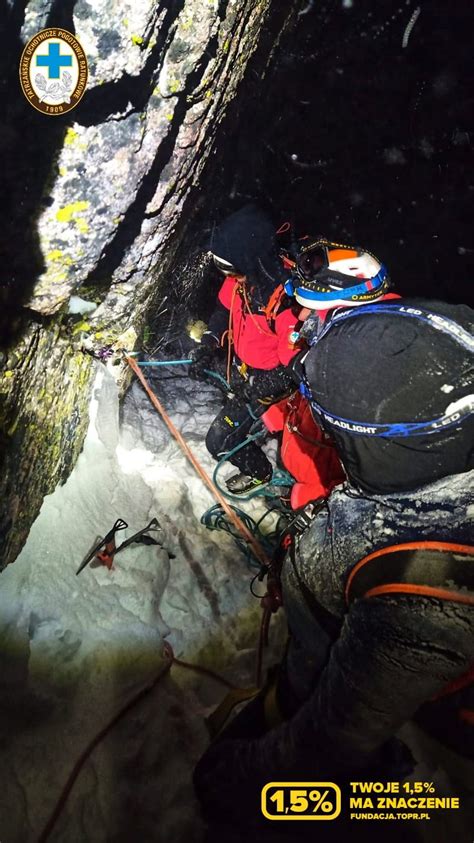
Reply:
x=53, y=61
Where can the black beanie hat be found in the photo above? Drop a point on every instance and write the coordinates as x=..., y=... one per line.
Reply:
x=246, y=239
x=384, y=368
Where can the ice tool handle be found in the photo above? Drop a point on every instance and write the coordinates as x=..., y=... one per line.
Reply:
x=106, y=549
x=106, y=546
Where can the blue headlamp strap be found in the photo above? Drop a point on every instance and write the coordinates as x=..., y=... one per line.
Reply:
x=394, y=429
x=441, y=323
x=397, y=429
x=369, y=285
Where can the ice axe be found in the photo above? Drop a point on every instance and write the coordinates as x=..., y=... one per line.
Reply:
x=106, y=549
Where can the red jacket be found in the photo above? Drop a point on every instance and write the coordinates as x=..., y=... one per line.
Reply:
x=258, y=341
x=306, y=451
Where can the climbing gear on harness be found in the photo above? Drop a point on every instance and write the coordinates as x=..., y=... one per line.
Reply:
x=270, y=311
x=274, y=304
x=454, y=416
x=325, y=276
x=240, y=483
x=256, y=547
x=106, y=549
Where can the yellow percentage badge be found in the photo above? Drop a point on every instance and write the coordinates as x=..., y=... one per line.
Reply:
x=301, y=801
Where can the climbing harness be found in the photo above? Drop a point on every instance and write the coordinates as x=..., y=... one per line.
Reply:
x=270, y=311
x=105, y=550
x=395, y=429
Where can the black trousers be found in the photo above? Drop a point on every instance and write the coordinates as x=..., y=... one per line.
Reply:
x=230, y=427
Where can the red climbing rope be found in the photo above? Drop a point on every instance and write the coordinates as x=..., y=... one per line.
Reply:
x=170, y=660
x=230, y=512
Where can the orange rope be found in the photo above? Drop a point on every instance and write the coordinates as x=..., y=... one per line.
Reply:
x=422, y=590
x=170, y=660
x=457, y=684
x=419, y=545
x=71, y=780
x=256, y=547
x=249, y=311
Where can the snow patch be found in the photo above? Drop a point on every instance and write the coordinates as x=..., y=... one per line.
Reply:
x=75, y=650
x=78, y=305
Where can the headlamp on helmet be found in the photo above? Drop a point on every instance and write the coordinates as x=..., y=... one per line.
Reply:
x=326, y=276
x=224, y=266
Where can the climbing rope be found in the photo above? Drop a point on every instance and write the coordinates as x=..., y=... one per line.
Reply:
x=215, y=519
x=246, y=533
x=155, y=363
x=169, y=661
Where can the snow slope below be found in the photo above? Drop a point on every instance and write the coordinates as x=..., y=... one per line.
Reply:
x=74, y=650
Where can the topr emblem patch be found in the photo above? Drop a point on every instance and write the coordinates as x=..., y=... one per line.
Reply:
x=53, y=71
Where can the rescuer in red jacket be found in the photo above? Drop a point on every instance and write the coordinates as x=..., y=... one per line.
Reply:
x=307, y=451
x=259, y=322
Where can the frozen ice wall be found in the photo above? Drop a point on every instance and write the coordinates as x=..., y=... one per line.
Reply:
x=74, y=650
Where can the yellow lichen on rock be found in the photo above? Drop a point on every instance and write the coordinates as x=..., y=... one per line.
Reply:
x=67, y=213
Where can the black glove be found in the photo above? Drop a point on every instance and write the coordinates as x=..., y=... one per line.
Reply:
x=269, y=383
x=241, y=389
x=202, y=356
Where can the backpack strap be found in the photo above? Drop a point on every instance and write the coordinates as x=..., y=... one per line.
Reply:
x=421, y=568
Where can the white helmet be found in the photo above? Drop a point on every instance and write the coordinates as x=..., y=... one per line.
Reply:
x=324, y=276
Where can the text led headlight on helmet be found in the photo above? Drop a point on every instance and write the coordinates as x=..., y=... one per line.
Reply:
x=327, y=274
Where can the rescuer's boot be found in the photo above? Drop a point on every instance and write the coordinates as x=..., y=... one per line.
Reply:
x=240, y=483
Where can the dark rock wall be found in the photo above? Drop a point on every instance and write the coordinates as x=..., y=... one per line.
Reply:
x=366, y=136
x=96, y=203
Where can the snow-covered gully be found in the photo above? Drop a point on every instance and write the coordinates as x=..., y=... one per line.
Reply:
x=77, y=649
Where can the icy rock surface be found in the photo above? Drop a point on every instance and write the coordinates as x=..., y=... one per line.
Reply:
x=96, y=207
x=75, y=650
